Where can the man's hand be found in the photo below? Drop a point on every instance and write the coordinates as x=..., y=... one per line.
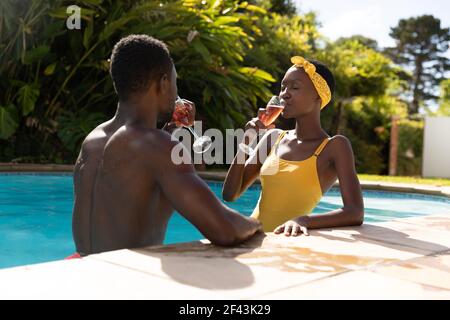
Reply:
x=292, y=228
x=257, y=223
x=169, y=127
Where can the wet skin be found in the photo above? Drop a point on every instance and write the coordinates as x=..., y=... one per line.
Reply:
x=127, y=187
x=336, y=161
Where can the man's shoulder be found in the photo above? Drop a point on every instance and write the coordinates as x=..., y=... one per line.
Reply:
x=142, y=142
x=95, y=139
x=155, y=139
x=161, y=151
x=155, y=145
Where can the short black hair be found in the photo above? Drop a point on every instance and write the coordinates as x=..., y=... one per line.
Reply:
x=326, y=73
x=137, y=61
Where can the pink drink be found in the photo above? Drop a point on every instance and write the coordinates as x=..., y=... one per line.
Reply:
x=271, y=114
x=181, y=114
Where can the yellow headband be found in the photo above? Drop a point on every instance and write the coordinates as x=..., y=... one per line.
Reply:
x=318, y=81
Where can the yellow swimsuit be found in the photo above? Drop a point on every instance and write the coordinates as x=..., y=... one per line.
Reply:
x=288, y=188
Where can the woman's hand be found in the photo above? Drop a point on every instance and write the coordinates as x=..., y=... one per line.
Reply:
x=254, y=127
x=292, y=228
x=257, y=124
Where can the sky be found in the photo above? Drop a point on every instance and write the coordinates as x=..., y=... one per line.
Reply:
x=371, y=18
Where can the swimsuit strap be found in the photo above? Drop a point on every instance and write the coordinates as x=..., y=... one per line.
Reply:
x=277, y=142
x=322, y=145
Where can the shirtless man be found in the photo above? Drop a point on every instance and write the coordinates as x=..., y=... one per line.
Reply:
x=126, y=185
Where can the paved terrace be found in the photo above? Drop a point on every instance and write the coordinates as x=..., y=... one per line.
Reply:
x=401, y=259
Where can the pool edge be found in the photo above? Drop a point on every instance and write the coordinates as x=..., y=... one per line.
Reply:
x=220, y=176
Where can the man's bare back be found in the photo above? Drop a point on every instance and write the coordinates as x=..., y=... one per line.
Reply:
x=125, y=181
x=116, y=195
x=126, y=188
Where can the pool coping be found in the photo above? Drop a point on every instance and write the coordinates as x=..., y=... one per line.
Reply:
x=365, y=184
x=220, y=176
x=402, y=259
x=13, y=167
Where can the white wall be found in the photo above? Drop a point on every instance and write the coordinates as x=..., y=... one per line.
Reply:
x=436, y=147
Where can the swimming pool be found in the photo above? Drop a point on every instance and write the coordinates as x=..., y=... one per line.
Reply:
x=36, y=213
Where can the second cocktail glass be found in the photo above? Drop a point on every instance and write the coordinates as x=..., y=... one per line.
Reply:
x=181, y=118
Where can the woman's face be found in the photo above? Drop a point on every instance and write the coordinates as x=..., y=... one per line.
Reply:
x=298, y=94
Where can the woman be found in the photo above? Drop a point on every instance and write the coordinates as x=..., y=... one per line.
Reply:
x=297, y=167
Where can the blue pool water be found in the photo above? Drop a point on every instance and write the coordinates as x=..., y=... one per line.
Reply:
x=36, y=212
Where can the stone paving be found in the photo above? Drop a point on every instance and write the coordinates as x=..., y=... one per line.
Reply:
x=401, y=259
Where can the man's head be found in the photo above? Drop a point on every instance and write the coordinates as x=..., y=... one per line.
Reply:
x=140, y=63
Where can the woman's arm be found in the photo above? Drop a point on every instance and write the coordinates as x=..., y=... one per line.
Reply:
x=352, y=213
x=245, y=169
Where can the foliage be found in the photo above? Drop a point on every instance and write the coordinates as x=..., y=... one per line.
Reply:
x=444, y=101
x=281, y=7
x=421, y=45
x=367, y=42
x=359, y=70
x=281, y=38
x=367, y=125
x=230, y=56
x=48, y=74
x=76, y=126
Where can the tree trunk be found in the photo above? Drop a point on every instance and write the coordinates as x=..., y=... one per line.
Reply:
x=393, y=152
x=414, y=105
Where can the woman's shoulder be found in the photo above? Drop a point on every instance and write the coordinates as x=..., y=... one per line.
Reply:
x=340, y=144
x=339, y=139
x=269, y=139
x=272, y=134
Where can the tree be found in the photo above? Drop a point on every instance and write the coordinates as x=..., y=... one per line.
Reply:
x=368, y=42
x=281, y=38
x=55, y=86
x=444, y=102
x=363, y=102
x=420, y=45
x=282, y=7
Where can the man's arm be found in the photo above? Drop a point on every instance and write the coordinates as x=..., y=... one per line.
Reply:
x=191, y=196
